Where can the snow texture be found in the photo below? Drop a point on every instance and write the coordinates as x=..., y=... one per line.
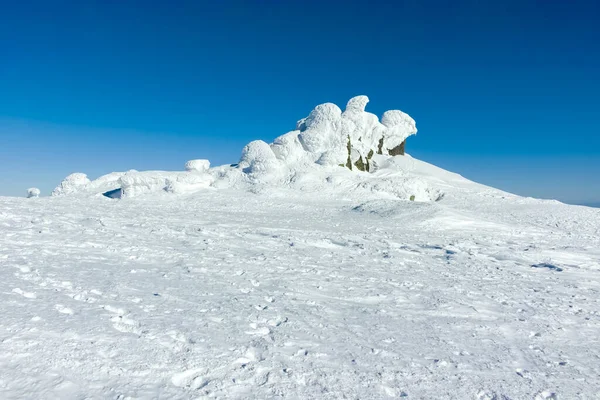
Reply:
x=329, y=287
x=287, y=276
x=33, y=192
x=71, y=184
x=138, y=183
x=258, y=158
x=197, y=165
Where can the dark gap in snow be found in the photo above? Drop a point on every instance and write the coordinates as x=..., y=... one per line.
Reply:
x=113, y=194
x=432, y=247
x=546, y=265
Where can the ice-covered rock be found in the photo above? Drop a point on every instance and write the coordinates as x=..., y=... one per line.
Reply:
x=71, y=184
x=33, y=192
x=399, y=127
x=197, y=165
x=258, y=158
x=288, y=147
x=329, y=137
x=305, y=159
x=322, y=128
x=357, y=104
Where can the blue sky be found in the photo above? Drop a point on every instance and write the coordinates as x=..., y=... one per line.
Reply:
x=504, y=93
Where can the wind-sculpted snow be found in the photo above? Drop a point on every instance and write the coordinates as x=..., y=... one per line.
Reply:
x=33, y=193
x=139, y=183
x=332, y=137
x=71, y=184
x=324, y=146
x=197, y=165
x=258, y=159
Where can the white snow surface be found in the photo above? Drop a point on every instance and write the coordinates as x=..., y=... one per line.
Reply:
x=262, y=291
x=287, y=276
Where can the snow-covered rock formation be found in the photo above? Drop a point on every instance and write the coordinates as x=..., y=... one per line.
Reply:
x=33, y=192
x=330, y=137
x=318, y=155
x=351, y=138
x=71, y=184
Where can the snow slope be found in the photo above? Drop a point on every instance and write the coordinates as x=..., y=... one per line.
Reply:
x=285, y=278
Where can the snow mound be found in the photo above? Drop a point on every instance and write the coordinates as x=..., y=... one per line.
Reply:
x=138, y=183
x=197, y=165
x=258, y=159
x=71, y=184
x=33, y=192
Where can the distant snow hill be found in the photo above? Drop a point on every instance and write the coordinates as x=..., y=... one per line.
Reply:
x=304, y=271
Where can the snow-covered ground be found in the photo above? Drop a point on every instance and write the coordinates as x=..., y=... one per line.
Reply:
x=311, y=282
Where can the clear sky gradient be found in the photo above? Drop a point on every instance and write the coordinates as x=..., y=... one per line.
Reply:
x=504, y=93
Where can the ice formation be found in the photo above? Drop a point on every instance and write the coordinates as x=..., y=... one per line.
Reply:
x=258, y=159
x=33, y=192
x=197, y=165
x=315, y=156
x=71, y=184
x=351, y=138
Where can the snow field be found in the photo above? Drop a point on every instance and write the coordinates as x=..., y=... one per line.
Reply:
x=228, y=294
